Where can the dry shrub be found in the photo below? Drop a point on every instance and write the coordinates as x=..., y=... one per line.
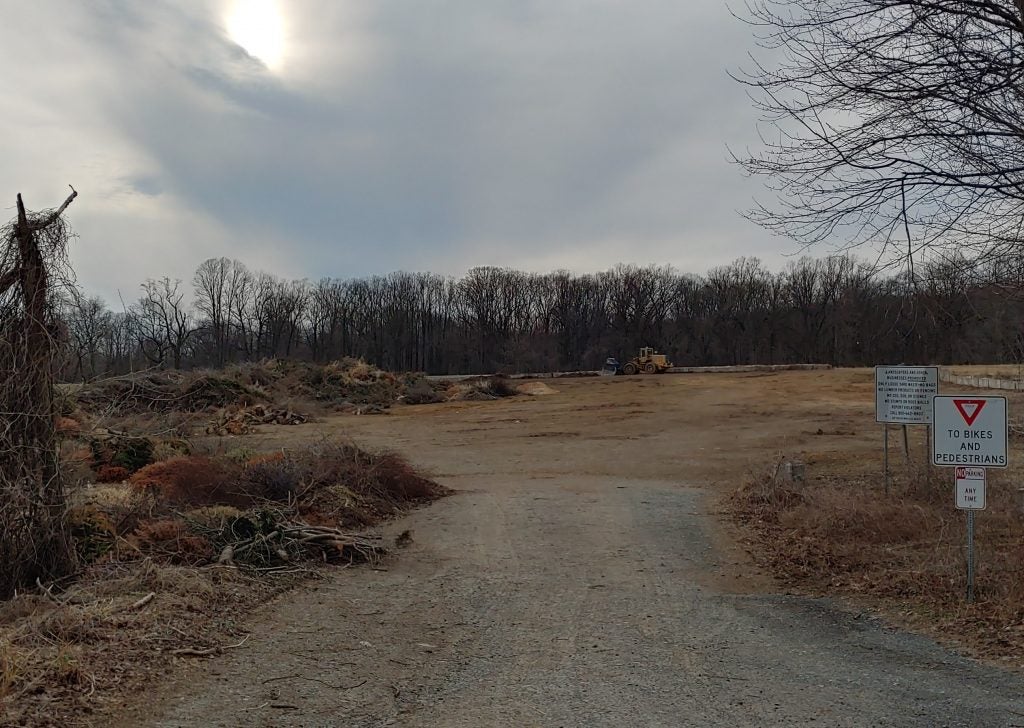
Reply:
x=171, y=539
x=846, y=516
x=52, y=655
x=396, y=479
x=121, y=503
x=68, y=427
x=483, y=389
x=111, y=474
x=357, y=487
x=904, y=549
x=419, y=390
x=267, y=457
x=277, y=480
x=92, y=531
x=76, y=466
x=121, y=451
x=826, y=533
x=191, y=480
x=167, y=449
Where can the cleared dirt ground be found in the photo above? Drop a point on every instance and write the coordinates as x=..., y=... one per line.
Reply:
x=583, y=576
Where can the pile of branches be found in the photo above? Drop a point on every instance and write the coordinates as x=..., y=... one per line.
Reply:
x=291, y=541
x=164, y=392
x=242, y=421
x=34, y=276
x=484, y=389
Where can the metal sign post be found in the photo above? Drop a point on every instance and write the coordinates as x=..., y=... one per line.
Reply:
x=970, y=484
x=885, y=458
x=970, y=557
x=903, y=397
x=970, y=433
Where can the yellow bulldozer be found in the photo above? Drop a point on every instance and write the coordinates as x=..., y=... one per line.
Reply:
x=648, y=362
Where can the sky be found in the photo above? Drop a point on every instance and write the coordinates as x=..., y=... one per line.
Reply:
x=344, y=138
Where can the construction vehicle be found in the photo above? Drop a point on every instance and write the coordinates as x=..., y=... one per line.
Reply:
x=648, y=362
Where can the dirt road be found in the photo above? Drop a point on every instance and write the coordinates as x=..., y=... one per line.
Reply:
x=579, y=578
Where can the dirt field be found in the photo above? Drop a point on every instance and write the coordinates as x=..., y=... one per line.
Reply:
x=584, y=575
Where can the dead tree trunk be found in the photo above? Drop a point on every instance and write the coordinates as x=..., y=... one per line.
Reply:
x=34, y=543
x=39, y=347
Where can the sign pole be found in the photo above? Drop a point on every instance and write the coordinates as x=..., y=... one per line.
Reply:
x=885, y=458
x=970, y=433
x=927, y=447
x=970, y=557
x=903, y=397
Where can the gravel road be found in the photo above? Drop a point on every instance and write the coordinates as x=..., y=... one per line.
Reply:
x=587, y=597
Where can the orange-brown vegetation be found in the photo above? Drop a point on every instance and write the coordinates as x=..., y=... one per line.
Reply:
x=111, y=474
x=172, y=540
x=65, y=647
x=191, y=480
x=905, y=551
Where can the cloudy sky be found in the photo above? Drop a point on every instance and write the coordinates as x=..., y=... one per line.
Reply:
x=347, y=137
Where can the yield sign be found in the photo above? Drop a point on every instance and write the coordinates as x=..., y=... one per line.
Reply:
x=969, y=409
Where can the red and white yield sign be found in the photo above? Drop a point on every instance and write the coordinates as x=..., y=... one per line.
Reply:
x=969, y=430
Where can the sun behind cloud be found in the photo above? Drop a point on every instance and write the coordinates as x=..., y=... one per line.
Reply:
x=258, y=27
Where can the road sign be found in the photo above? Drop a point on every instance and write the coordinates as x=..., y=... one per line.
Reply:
x=969, y=430
x=903, y=395
x=970, y=488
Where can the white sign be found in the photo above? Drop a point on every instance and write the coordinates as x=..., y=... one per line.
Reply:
x=903, y=395
x=969, y=430
x=970, y=489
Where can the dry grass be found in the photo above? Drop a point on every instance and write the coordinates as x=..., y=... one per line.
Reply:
x=904, y=552
x=65, y=660
x=69, y=650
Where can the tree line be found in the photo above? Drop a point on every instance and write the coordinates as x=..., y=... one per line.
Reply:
x=835, y=310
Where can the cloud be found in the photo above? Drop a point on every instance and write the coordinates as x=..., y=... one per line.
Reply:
x=433, y=135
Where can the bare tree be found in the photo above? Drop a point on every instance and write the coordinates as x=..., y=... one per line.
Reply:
x=892, y=121
x=218, y=283
x=165, y=325
x=88, y=322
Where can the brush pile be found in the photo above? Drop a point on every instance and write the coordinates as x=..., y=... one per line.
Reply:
x=244, y=395
x=263, y=511
x=289, y=540
x=164, y=392
x=483, y=389
x=242, y=421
